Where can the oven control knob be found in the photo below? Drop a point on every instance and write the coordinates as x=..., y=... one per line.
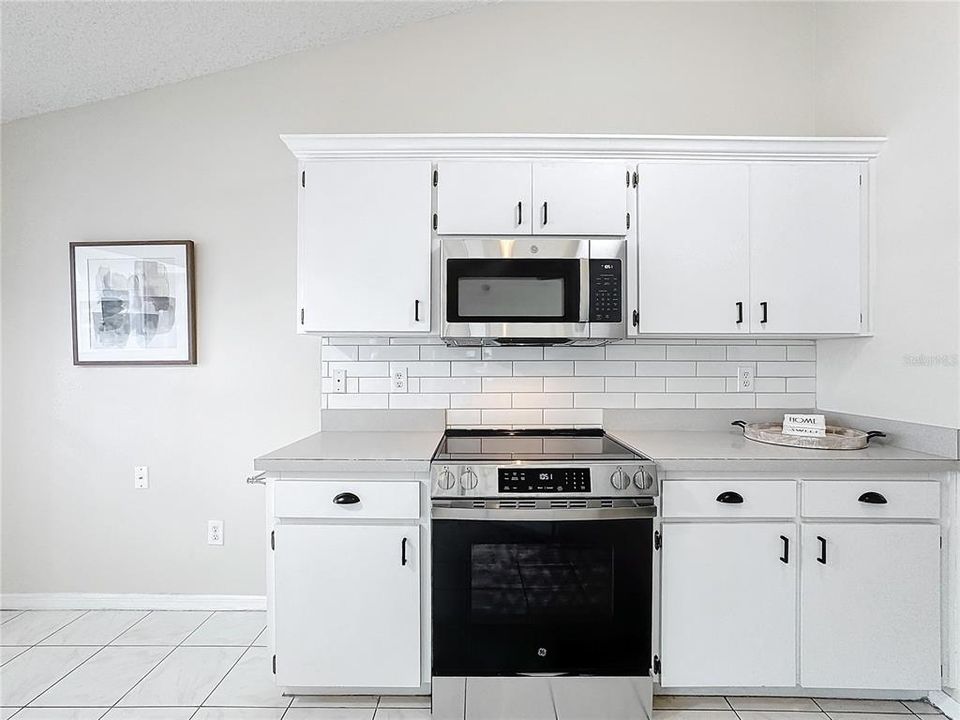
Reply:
x=643, y=480
x=445, y=479
x=468, y=479
x=620, y=480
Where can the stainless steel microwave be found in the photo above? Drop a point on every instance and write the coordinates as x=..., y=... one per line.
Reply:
x=532, y=291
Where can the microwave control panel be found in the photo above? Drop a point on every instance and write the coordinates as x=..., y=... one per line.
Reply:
x=606, y=291
x=528, y=480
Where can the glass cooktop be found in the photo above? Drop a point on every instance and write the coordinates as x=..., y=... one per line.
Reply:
x=532, y=445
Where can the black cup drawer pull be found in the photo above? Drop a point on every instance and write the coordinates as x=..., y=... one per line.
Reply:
x=346, y=498
x=872, y=498
x=730, y=497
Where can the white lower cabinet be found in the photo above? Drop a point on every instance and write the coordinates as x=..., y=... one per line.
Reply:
x=870, y=606
x=729, y=605
x=347, y=605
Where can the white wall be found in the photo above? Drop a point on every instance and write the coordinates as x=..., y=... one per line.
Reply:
x=201, y=160
x=893, y=69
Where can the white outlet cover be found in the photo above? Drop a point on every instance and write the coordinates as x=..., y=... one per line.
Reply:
x=141, y=477
x=398, y=380
x=215, y=532
x=744, y=379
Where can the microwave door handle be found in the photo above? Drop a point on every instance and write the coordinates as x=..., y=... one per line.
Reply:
x=584, y=290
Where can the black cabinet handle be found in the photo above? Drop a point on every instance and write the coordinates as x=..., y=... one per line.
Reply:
x=730, y=497
x=544, y=212
x=346, y=498
x=872, y=498
x=520, y=212
x=823, y=550
x=785, y=558
x=763, y=306
x=416, y=311
x=739, y=313
x=403, y=552
x=636, y=318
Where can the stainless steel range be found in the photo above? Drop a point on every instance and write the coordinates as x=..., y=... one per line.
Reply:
x=542, y=574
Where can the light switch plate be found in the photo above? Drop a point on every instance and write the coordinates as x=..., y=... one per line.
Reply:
x=339, y=381
x=141, y=477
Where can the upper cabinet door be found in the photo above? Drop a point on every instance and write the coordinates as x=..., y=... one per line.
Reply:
x=365, y=246
x=484, y=198
x=694, y=249
x=805, y=247
x=580, y=198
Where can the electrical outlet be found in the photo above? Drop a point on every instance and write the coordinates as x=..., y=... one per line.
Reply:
x=339, y=381
x=141, y=477
x=214, y=532
x=744, y=379
x=398, y=380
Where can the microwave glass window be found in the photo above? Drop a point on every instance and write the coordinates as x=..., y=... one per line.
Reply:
x=490, y=297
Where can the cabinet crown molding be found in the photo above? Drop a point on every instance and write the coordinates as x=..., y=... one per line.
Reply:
x=532, y=146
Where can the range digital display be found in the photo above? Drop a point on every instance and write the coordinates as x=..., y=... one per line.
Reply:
x=543, y=480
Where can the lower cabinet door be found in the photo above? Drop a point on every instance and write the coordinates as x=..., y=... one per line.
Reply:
x=728, y=609
x=870, y=606
x=347, y=605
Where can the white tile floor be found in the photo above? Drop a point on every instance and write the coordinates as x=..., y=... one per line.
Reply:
x=164, y=665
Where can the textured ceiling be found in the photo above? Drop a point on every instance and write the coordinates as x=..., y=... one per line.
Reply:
x=61, y=54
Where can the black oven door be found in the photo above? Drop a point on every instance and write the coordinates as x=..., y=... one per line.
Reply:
x=485, y=290
x=542, y=596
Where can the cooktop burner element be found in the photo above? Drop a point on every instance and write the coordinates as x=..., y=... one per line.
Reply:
x=547, y=462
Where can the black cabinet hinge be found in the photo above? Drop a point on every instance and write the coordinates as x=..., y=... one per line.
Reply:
x=273, y=540
x=628, y=178
x=861, y=180
x=274, y=664
x=434, y=221
x=303, y=178
x=628, y=221
x=656, y=665
x=636, y=178
x=657, y=540
x=301, y=316
x=436, y=178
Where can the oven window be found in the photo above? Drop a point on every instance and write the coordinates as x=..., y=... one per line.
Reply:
x=489, y=297
x=514, y=583
x=523, y=290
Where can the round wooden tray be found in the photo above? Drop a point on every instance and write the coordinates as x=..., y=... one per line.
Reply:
x=837, y=438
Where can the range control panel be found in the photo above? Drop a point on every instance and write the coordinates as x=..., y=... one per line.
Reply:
x=606, y=294
x=543, y=480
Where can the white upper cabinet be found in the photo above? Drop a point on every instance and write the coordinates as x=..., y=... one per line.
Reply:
x=520, y=198
x=484, y=198
x=805, y=248
x=364, y=246
x=694, y=248
x=580, y=198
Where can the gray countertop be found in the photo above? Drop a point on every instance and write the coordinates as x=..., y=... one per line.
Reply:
x=354, y=451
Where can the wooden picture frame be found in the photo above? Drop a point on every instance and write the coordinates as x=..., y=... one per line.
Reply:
x=133, y=302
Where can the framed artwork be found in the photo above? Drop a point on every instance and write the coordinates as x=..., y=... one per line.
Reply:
x=133, y=303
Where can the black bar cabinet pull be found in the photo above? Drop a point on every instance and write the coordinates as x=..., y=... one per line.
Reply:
x=520, y=212
x=346, y=498
x=763, y=306
x=872, y=498
x=739, y=313
x=823, y=550
x=730, y=497
x=785, y=558
x=544, y=212
x=403, y=552
x=416, y=311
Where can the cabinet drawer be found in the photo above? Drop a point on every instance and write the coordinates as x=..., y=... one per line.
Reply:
x=394, y=500
x=842, y=499
x=699, y=498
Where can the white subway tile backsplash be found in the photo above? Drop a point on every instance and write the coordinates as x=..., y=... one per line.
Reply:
x=579, y=416
x=480, y=400
x=544, y=367
x=604, y=367
x=566, y=386
x=603, y=400
x=451, y=385
x=543, y=400
x=573, y=384
x=635, y=384
x=513, y=384
x=389, y=352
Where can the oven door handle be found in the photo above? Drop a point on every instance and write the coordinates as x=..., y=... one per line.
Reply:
x=584, y=290
x=545, y=514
